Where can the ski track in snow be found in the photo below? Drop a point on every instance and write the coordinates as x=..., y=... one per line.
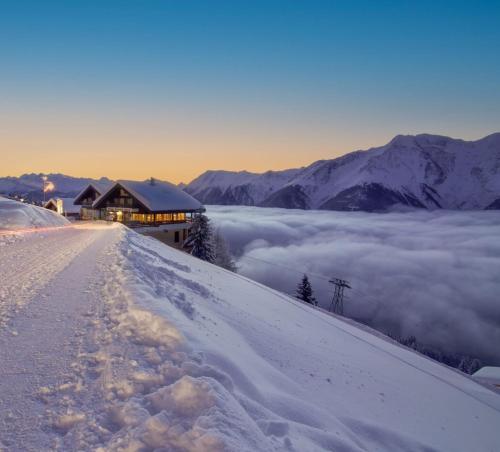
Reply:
x=114, y=342
x=48, y=282
x=27, y=266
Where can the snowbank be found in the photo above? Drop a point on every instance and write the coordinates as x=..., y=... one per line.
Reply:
x=17, y=215
x=190, y=357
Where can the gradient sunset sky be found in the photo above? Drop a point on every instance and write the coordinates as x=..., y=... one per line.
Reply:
x=164, y=88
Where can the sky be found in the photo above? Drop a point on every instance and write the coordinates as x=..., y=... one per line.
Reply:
x=433, y=275
x=133, y=89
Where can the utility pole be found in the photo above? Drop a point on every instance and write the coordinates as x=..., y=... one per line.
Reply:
x=44, y=179
x=337, y=304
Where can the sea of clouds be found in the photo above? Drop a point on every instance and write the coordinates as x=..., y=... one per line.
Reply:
x=435, y=275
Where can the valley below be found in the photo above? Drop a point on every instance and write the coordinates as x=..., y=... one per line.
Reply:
x=432, y=275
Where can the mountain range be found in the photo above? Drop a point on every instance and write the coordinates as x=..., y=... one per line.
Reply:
x=30, y=185
x=421, y=171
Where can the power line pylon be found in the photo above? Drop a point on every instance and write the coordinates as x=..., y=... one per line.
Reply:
x=337, y=304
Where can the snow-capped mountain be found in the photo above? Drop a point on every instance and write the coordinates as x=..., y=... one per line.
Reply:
x=31, y=184
x=426, y=171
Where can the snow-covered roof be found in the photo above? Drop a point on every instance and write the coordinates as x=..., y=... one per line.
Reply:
x=156, y=196
x=490, y=372
x=99, y=187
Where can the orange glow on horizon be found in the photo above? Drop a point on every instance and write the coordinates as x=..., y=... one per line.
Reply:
x=173, y=149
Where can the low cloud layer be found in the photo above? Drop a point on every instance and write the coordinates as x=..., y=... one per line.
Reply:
x=435, y=275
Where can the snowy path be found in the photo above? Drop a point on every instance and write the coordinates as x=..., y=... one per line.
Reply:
x=48, y=285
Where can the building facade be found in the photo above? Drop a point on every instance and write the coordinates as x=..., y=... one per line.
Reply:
x=156, y=208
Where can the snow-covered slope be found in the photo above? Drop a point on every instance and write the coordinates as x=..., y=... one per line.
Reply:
x=426, y=171
x=244, y=368
x=17, y=215
x=153, y=350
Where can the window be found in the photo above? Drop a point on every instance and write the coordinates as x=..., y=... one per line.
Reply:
x=176, y=239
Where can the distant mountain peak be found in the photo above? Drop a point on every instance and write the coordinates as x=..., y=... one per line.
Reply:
x=422, y=139
x=434, y=171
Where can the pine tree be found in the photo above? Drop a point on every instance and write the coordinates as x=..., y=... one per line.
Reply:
x=469, y=365
x=222, y=255
x=305, y=292
x=201, y=239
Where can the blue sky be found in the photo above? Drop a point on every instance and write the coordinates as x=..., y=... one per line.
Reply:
x=288, y=81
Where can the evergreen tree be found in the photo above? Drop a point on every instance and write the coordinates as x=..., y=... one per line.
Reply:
x=201, y=239
x=469, y=365
x=222, y=255
x=305, y=292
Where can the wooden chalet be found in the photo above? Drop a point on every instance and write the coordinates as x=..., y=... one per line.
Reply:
x=147, y=203
x=159, y=209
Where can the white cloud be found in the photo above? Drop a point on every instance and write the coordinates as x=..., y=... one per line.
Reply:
x=432, y=274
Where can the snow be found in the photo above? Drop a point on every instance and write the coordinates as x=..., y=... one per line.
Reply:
x=16, y=215
x=489, y=376
x=488, y=372
x=152, y=349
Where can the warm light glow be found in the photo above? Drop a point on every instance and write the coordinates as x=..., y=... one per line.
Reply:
x=137, y=148
x=93, y=225
x=29, y=230
x=48, y=186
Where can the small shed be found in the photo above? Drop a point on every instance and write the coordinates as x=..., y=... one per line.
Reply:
x=63, y=206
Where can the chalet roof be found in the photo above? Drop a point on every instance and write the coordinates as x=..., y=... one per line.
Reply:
x=52, y=201
x=157, y=196
x=99, y=187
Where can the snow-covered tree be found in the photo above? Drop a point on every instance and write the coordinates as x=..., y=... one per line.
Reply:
x=305, y=292
x=200, y=239
x=222, y=254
